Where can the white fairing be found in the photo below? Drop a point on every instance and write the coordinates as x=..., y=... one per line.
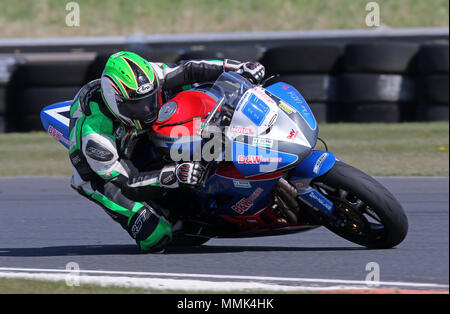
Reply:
x=282, y=127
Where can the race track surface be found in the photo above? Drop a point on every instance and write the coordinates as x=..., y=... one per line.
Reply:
x=45, y=224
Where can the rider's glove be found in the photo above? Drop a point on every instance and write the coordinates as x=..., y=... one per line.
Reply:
x=168, y=178
x=186, y=173
x=253, y=71
x=190, y=173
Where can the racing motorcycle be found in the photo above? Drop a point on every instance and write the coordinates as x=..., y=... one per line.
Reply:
x=264, y=174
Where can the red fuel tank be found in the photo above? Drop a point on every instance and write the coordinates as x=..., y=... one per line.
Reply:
x=187, y=109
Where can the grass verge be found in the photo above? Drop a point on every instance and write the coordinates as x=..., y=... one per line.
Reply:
x=31, y=18
x=407, y=149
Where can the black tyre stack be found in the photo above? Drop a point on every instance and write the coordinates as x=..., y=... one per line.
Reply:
x=433, y=82
x=377, y=83
x=39, y=83
x=4, y=79
x=310, y=68
x=7, y=67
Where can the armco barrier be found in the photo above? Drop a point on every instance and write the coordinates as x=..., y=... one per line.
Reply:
x=377, y=75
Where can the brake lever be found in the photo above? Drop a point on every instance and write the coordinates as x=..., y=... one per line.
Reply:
x=263, y=83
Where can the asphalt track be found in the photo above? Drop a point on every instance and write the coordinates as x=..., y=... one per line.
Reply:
x=44, y=224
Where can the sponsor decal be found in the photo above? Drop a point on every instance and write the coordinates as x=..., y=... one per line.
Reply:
x=137, y=226
x=246, y=203
x=292, y=134
x=240, y=130
x=250, y=159
x=286, y=108
x=295, y=97
x=98, y=152
x=168, y=177
x=261, y=93
x=241, y=184
x=262, y=142
x=255, y=159
x=326, y=205
x=144, y=89
x=285, y=87
x=57, y=135
x=319, y=162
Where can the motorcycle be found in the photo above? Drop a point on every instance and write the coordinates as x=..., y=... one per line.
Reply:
x=264, y=174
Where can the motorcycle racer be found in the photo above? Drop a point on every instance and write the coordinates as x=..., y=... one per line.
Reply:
x=106, y=118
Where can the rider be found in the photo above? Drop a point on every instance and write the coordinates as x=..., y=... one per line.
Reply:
x=106, y=117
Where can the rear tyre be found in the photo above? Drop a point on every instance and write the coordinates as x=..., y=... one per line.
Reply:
x=365, y=212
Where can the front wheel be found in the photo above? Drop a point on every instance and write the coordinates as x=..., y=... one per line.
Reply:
x=365, y=212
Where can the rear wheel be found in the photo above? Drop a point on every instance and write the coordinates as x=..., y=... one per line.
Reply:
x=365, y=212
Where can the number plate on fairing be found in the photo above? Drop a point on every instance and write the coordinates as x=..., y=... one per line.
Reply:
x=256, y=110
x=254, y=113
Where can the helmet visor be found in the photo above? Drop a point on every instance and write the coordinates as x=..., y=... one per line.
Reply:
x=143, y=109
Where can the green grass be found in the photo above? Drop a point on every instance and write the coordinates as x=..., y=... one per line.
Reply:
x=407, y=149
x=32, y=154
x=25, y=286
x=31, y=18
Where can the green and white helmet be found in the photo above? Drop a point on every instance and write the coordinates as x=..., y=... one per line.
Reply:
x=130, y=88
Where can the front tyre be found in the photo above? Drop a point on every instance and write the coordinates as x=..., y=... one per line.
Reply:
x=365, y=212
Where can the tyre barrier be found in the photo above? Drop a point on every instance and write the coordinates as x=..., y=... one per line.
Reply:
x=305, y=58
x=41, y=81
x=433, y=82
x=380, y=81
x=7, y=67
x=389, y=57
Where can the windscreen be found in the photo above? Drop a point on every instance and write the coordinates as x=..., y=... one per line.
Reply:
x=233, y=86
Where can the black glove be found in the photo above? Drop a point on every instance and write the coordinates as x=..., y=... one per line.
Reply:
x=253, y=71
x=186, y=173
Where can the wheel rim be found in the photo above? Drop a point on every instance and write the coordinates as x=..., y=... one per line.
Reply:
x=352, y=215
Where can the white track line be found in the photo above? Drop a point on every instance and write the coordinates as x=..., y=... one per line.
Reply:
x=182, y=281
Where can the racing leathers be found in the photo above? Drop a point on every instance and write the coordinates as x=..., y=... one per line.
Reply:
x=101, y=148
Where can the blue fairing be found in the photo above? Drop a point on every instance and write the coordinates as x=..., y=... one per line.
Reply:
x=316, y=164
x=55, y=120
x=241, y=197
x=293, y=97
x=252, y=160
